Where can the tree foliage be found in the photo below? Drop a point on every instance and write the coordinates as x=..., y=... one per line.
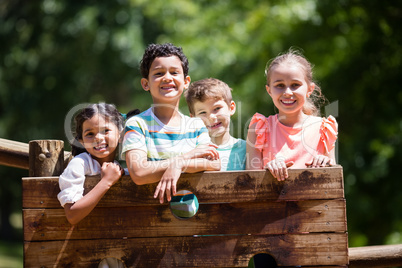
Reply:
x=56, y=54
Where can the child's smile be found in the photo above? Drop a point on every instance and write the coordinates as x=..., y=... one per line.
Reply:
x=214, y=126
x=101, y=147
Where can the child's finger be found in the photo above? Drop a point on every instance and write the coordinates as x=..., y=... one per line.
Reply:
x=269, y=167
x=213, y=145
x=216, y=154
x=159, y=190
x=289, y=164
x=174, y=188
x=168, y=191
x=162, y=195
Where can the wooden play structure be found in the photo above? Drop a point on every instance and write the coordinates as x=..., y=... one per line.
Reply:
x=300, y=222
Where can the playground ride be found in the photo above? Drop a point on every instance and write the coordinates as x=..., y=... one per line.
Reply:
x=300, y=222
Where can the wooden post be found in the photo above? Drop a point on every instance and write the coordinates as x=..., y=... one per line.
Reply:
x=46, y=158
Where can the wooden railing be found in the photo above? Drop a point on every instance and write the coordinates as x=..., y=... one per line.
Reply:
x=34, y=156
x=301, y=221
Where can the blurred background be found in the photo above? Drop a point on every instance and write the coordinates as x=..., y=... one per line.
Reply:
x=55, y=54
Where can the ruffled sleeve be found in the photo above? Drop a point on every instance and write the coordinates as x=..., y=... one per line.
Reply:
x=328, y=133
x=261, y=130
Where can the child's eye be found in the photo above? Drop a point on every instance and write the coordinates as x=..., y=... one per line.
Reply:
x=295, y=85
x=88, y=134
x=280, y=85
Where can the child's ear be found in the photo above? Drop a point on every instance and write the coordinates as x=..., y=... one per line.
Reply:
x=232, y=108
x=121, y=136
x=81, y=142
x=268, y=89
x=310, y=89
x=191, y=115
x=187, y=81
x=145, y=84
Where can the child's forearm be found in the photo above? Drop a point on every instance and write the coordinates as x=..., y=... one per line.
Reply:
x=79, y=210
x=201, y=164
x=145, y=172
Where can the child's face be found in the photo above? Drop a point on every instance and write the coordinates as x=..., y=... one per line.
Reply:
x=100, y=138
x=166, y=80
x=289, y=89
x=216, y=115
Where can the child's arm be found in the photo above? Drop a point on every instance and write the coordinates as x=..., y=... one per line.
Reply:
x=166, y=172
x=75, y=212
x=254, y=155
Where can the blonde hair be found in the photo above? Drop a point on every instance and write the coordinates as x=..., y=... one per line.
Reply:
x=207, y=88
x=294, y=57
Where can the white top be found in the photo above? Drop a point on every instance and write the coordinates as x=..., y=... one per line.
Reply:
x=71, y=182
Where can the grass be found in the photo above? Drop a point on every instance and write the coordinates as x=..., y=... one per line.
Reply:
x=11, y=254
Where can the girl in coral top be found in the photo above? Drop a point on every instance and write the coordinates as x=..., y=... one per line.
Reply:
x=296, y=136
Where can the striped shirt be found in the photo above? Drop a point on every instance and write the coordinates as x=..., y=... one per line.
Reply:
x=147, y=133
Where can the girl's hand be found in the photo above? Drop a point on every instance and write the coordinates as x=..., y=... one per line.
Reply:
x=320, y=161
x=111, y=172
x=203, y=151
x=168, y=182
x=278, y=168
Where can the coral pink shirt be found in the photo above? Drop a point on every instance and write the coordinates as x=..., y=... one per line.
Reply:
x=317, y=136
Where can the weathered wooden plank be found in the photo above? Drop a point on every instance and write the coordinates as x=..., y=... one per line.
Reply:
x=213, y=187
x=153, y=221
x=376, y=256
x=14, y=154
x=206, y=251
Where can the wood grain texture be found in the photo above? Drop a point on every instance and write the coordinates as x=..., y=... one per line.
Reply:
x=153, y=221
x=210, y=187
x=207, y=251
x=301, y=221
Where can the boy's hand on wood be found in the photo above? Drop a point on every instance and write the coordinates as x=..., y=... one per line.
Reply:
x=168, y=182
x=204, y=151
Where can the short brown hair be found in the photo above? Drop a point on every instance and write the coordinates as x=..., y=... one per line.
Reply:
x=207, y=88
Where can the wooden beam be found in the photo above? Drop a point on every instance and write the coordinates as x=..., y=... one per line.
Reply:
x=16, y=154
x=309, y=216
x=203, y=251
x=209, y=186
x=376, y=256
